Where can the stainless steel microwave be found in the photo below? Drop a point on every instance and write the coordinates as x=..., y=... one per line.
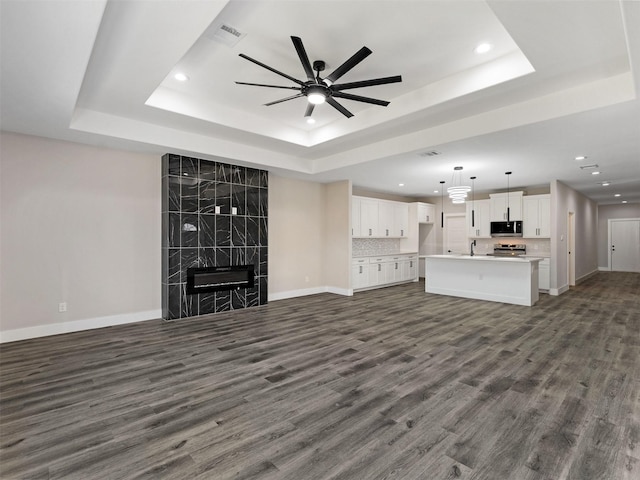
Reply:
x=506, y=229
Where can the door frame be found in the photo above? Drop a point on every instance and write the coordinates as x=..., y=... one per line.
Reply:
x=571, y=249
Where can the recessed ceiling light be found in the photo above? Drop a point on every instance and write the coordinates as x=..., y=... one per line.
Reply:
x=624, y=201
x=616, y=195
x=483, y=48
x=181, y=77
x=581, y=157
x=595, y=173
x=311, y=121
x=605, y=184
x=401, y=184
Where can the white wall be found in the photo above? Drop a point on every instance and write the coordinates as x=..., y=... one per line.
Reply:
x=606, y=213
x=80, y=225
x=564, y=200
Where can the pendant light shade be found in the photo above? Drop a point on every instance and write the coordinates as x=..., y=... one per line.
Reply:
x=457, y=191
x=473, y=202
x=441, y=203
x=508, y=209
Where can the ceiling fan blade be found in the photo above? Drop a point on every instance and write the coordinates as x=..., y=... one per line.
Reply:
x=309, y=109
x=331, y=101
x=358, y=98
x=366, y=83
x=304, y=59
x=360, y=55
x=283, y=100
x=295, y=80
x=265, y=85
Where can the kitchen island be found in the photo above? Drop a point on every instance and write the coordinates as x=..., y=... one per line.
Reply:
x=497, y=279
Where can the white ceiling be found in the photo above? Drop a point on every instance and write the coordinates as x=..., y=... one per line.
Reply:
x=562, y=80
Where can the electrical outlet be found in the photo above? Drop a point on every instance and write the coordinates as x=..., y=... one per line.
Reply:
x=62, y=307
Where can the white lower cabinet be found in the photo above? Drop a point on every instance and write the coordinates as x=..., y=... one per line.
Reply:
x=360, y=273
x=371, y=272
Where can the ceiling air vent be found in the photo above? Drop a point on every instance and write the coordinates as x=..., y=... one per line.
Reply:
x=430, y=153
x=588, y=167
x=224, y=33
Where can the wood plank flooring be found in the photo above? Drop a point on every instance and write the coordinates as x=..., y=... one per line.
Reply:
x=388, y=384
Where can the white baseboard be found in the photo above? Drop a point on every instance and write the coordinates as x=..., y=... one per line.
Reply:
x=586, y=276
x=558, y=291
x=77, y=325
x=604, y=269
x=302, y=292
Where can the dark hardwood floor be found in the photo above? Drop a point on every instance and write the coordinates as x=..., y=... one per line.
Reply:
x=388, y=384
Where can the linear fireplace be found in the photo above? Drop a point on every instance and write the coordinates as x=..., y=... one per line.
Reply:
x=217, y=279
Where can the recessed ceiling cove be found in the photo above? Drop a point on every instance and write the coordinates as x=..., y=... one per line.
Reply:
x=431, y=44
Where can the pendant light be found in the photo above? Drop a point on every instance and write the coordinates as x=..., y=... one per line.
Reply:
x=508, y=213
x=457, y=191
x=441, y=203
x=473, y=202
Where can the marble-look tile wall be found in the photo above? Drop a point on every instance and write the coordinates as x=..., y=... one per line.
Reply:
x=213, y=214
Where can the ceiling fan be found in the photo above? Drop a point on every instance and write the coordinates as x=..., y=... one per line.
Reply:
x=317, y=89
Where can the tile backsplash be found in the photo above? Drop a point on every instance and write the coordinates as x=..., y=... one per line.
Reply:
x=362, y=247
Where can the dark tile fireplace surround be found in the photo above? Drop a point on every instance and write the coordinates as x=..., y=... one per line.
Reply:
x=214, y=224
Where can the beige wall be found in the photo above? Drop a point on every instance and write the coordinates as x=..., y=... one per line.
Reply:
x=564, y=200
x=337, y=228
x=309, y=250
x=296, y=241
x=606, y=213
x=80, y=225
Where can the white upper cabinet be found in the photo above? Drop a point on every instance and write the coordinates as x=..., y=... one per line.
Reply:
x=536, y=222
x=400, y=219
x=426, y=213
x=479, y=223
x=500, y=202
x=355, y=216
x=369, y=226
x=385, y=219
x=371, y=217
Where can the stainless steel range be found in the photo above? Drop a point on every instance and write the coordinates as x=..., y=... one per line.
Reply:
x=508, y=250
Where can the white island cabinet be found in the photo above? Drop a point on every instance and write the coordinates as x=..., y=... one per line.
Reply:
x=497, y=279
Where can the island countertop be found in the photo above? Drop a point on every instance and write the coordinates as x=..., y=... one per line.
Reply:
x=488, y=258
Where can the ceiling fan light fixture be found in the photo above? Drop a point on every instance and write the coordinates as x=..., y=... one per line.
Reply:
x=316, y=98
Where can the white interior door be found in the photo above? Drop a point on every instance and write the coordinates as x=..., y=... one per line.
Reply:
x=455, y=234
x=624, y=245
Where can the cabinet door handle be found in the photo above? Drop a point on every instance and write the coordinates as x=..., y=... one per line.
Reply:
x=410, y=263
x=360, y=268
x=402, y=233
x=369, y=232
x=396, y=265
x=379, y=267
x=387, y=232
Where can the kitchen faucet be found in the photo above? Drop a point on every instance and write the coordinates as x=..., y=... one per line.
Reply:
x=473, y=244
